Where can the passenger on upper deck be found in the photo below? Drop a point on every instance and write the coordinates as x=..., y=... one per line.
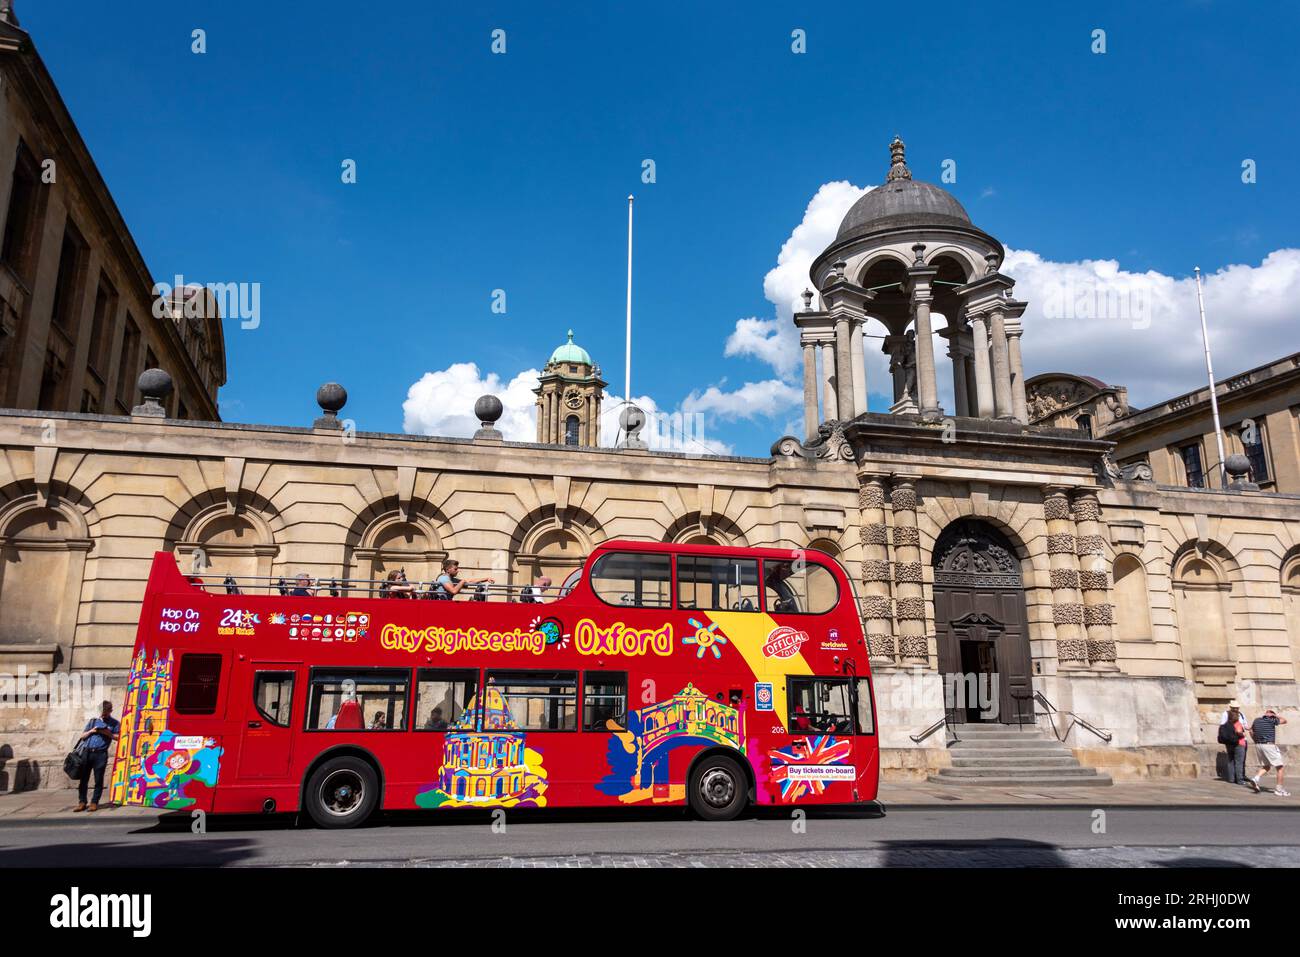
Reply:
x=448, y=586
x=396, y=586
x=536, y=592
x=302, y=586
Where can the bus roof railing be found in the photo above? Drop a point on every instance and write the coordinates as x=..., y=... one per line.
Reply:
x=229, y=583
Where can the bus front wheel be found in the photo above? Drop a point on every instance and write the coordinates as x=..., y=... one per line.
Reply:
x=342, y=792
x=718, y=788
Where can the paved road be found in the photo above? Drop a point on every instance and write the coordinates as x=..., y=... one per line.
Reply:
x=942, y=837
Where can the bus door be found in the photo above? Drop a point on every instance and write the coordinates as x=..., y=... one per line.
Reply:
x=266, y=747
x=822, y=757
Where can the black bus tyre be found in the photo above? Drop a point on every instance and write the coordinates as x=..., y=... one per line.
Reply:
x=342, y=792
x=718, y=789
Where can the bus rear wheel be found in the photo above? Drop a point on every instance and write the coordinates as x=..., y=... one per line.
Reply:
x=718, y=788
x=342, y=792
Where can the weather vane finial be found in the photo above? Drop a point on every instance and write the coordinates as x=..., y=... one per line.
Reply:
x=897, y=162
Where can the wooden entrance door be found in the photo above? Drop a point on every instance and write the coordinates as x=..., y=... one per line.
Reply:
x=979, y=611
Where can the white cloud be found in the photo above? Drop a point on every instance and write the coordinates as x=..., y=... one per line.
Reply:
x=752, y=400
x=775, y=341
x=442, y=403
x=1142, y=329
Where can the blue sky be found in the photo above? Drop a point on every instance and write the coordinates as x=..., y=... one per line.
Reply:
x=479, y=172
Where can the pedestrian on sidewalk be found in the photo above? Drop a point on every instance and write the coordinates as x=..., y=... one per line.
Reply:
x=1232, y=735
x=98, y=734
x=1264, y=733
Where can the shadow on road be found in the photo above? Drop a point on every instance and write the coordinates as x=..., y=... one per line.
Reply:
x=200, y=852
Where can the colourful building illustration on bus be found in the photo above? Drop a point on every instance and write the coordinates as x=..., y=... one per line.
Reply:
x=493, y=767
x=638, y=754
x=154, y=767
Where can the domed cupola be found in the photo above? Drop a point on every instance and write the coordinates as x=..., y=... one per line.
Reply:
x=901, y=202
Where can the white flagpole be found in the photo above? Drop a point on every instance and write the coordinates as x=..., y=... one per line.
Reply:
x=627, y=378
x=1209, y=371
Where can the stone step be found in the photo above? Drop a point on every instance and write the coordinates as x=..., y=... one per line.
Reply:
x=1024, y=773
x=1011, y=781
x=999, y=744
x=1014, y=760
x=999, y=731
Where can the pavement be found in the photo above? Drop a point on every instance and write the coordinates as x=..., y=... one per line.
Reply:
x=55, y=805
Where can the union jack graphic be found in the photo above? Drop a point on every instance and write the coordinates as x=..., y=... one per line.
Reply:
x=825, y=750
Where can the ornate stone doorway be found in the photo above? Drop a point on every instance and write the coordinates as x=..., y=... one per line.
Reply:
x=980, y=625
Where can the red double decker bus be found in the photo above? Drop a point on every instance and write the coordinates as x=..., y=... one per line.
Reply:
x=657, y=674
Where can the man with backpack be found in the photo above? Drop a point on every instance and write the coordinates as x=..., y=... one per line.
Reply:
x=96, y=738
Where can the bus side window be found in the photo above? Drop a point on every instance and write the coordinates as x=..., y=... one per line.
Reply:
x=197, y=684
x=715, y=583
x=819, y=706
x=441, y=697
x=358, y=699
x=799, y=587
x=637, y=579
x=604, y=699
x=273, y=696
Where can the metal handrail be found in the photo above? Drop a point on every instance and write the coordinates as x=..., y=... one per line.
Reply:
x=918, y=738
x=1053, y=710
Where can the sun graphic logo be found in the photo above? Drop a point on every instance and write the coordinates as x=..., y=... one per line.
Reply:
x=705, y=638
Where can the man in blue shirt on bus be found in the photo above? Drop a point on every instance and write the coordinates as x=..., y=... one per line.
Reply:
x=99, y=733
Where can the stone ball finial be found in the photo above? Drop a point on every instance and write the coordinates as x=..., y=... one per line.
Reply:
x=632, y=420
x=331, y=397
x=155, y=385
x=1237, y=467
x=488, y=409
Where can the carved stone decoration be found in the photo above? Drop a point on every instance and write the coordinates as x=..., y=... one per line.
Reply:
x=1102, y=651
x=871, y=496
x=907, y=572
x=875, y=569
x=875, y=534
x=1056, y=506
x=1072, y=650
x=914, y=646
x=903, y=498
x=1064, y=577
x=880, y=646
x=970, y=548
x=1099, y=614
x=1061, y=544
x=1087, y=509
x=1067, y=613
x=1094, y=581
x=904, y=536
x=1052, y=395
x=830, y=444
x=878, y=606
x=910, y=609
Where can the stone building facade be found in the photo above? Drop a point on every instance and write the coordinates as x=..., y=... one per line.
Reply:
x=997, y=537
x=79, y=320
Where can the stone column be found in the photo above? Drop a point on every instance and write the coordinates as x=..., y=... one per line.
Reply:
x=830, y=410
x=927, y=388
x=546, y=417
x=859, y=367
x=1062, y=558
x=809, y=392
x=844, y=367
x=959, y=388
x=983, y=375
x=1001, y=367
x=1094, y=581
x=909, y=590
x=541, y=420
x=877, y=602
x=1019, y=405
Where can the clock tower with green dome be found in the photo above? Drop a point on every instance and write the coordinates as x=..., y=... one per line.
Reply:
x=569, y=391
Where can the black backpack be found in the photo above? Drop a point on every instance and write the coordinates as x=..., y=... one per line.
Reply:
x=1227, y=733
